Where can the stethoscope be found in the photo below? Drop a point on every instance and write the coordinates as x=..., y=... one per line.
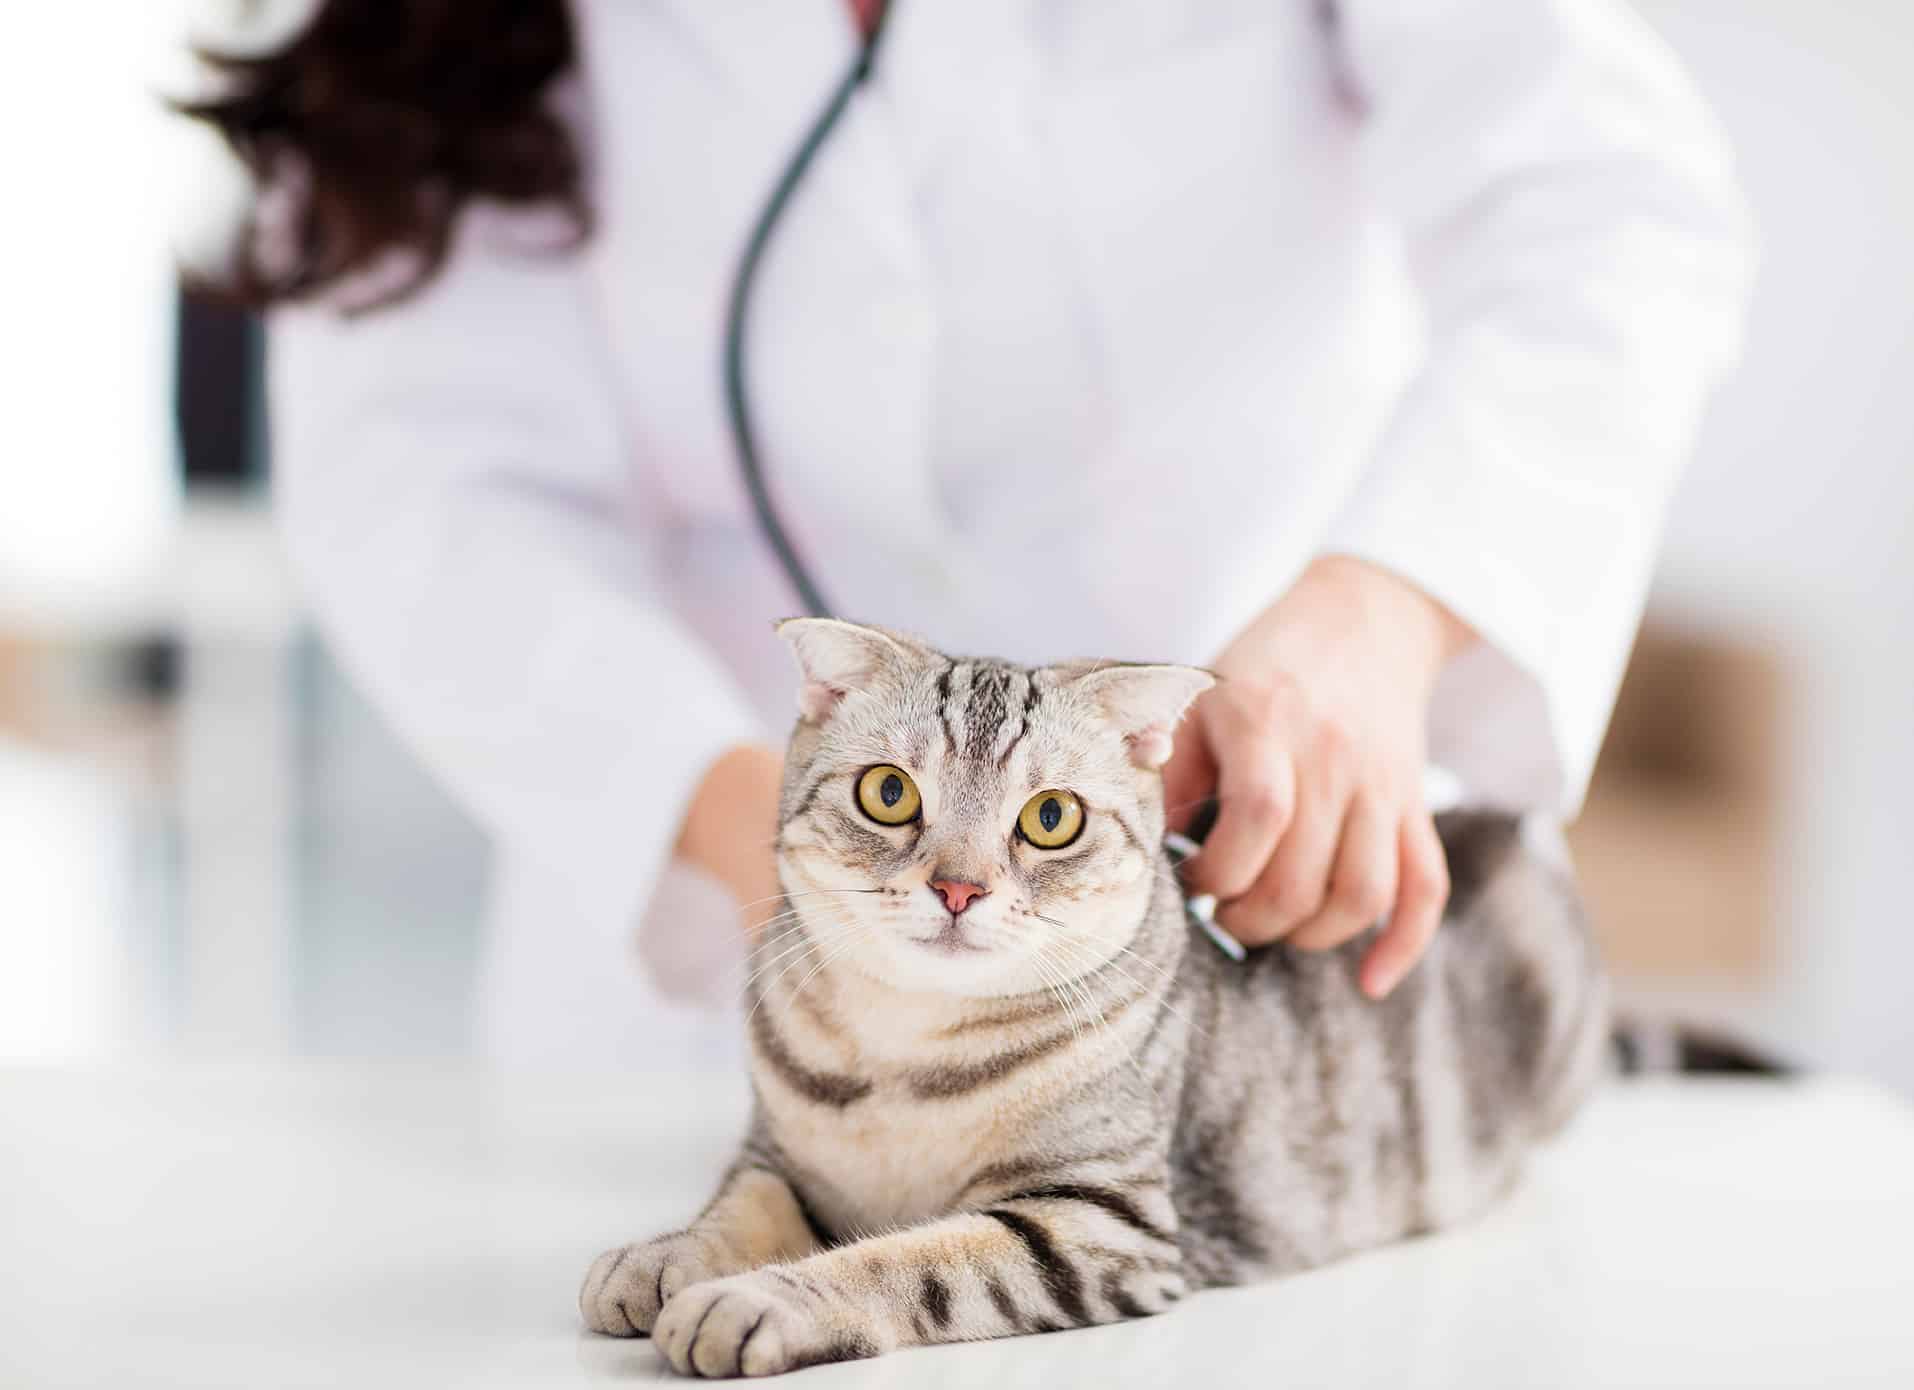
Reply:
x=737, y=403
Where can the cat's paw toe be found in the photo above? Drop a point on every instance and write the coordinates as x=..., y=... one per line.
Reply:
x=741, y=1326
x=625, y=1289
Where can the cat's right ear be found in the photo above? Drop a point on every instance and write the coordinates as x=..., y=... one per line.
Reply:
x=1145, y=702
x=835, y=657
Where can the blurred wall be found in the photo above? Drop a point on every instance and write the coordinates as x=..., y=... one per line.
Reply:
x=1796, y=522
x=88, y=487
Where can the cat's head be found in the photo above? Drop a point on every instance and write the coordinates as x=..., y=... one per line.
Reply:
x=972, y=827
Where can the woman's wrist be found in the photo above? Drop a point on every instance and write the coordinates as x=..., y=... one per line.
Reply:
x=1346, y=609
x=730, y=823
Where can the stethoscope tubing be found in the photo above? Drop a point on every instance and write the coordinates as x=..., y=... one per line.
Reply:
x=737, y=400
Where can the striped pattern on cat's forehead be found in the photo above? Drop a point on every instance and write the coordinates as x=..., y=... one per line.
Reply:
x=985, y=708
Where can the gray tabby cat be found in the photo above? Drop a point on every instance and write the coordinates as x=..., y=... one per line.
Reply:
x=1002, y=1088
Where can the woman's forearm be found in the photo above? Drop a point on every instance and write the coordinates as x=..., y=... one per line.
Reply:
x=729, y=825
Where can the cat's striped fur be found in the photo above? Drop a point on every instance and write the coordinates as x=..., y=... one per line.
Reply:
x=1088, y=1112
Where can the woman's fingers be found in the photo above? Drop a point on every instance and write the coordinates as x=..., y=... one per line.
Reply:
x=1256, y=797
x=1295, y=884
x=1362, y=885
x=1422, y=894
x=1189, y=777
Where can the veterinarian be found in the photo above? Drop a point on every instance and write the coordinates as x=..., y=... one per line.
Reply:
x=1351, y=347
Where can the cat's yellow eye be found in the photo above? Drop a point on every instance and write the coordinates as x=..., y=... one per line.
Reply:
x=888, y=796
x=1051, y=820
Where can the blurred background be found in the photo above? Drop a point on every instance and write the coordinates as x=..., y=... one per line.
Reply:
x=210, y=846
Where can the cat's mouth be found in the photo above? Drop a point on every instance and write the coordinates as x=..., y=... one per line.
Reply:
x=950, y=940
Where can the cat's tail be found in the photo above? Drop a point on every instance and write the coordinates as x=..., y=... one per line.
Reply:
x=1645, y=1046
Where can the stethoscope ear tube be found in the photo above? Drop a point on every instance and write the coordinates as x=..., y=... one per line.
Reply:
x=736, y=398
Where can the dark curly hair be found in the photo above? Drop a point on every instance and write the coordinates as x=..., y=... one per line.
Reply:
x=380, y=122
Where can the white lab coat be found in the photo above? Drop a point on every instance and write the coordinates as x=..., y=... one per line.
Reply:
x=1094, y=322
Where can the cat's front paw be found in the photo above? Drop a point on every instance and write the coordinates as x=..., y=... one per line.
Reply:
x=625, y=1289
x=751, y=1325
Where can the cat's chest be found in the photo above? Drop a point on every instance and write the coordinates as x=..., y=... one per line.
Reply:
x=894, y=1155
x=881, y=1163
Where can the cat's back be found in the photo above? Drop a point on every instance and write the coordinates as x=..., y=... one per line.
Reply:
x=1316, y=1121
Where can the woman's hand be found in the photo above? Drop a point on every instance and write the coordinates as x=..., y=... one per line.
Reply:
x=729, y=826
x=1313, y=745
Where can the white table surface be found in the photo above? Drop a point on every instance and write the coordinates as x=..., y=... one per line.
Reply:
x=295, y=1226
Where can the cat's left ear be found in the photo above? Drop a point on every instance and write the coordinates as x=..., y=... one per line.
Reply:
x=1146, y=703
x=835, y=657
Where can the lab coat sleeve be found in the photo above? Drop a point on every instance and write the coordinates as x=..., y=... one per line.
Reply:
x=456, y=501
x=1569, y=217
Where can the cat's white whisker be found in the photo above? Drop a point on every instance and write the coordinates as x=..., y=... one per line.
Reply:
x=784, y=952
x=814, y=935
x=1049, y=977
x=1104, y=1026
x=782, y=922
x=804, y=893
x=851, y=937
x=1111, y=963
x=815, y=946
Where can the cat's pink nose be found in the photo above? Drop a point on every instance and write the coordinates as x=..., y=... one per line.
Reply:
x=957, y=894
